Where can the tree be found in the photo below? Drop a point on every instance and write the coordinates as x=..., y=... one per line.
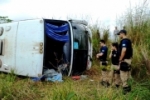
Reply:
x=4, y=19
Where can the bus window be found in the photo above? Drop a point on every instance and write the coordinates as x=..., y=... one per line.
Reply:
x=81, y=41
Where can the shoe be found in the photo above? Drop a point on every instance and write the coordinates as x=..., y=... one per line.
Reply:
x=102, y=83
x=106, y=84
x=117, y=86
x=126, y=89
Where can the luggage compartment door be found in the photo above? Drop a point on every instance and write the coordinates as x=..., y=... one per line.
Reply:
x=30, y=47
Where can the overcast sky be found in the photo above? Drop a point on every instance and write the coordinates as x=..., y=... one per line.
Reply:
x=104, y=11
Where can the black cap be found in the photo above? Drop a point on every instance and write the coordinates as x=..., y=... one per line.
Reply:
x=102, y=41
x=122, y=31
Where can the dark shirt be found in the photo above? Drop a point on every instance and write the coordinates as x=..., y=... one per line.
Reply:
x=115, y=57
x=103, y=50
x=126, y=43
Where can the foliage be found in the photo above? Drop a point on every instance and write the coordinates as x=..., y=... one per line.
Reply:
x=4, y=19
x=15, y=88
x=137, y=21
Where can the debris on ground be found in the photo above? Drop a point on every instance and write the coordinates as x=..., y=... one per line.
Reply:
x=49, y=75
x=81, y=77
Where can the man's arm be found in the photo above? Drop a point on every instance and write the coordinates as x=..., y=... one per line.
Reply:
x=123, y=52
x=99, y=55
x=110, y=54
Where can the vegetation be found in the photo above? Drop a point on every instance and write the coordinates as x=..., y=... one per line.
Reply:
x=4, y=19
x=137, y=23
x=15, y=88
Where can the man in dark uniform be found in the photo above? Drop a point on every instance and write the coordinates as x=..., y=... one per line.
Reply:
x=115, y=73
x=102, y=56
x=126, y=51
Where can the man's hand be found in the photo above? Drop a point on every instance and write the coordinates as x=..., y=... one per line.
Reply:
x=120, y=62
x=98, y=55
x=110, y=54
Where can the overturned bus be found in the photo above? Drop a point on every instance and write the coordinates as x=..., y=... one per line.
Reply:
x=28, y=47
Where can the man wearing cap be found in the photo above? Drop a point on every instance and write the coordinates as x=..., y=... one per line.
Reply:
x=125, y=49
x=102, y=56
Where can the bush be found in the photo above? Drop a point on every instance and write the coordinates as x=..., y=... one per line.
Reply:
x=137, y=22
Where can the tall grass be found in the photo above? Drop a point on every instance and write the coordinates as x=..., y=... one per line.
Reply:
x=25, y=89
x=137, y=23
x=95, y=38
x=99, y=33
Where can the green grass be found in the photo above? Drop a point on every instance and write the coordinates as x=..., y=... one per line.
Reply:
x=15, y=88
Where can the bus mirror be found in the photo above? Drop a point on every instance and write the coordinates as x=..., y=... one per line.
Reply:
x=74, y=27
